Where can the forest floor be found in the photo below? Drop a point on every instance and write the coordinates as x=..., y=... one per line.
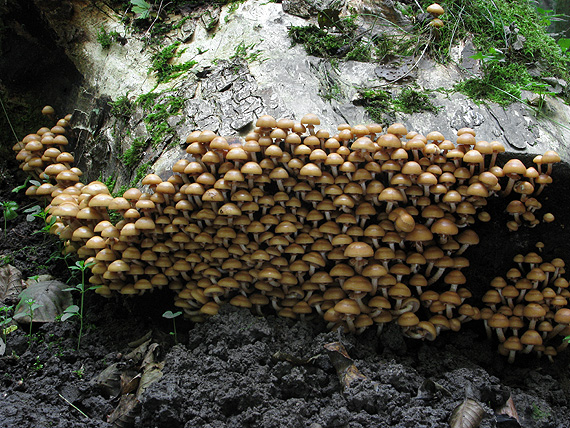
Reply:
x=241, y=370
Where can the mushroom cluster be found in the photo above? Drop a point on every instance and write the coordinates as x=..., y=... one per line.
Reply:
x=528, y=308
x=362, y=227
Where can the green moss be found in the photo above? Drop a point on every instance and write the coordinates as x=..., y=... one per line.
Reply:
x=379, y=103
x=411, y=101
x=122, y=107
x=106, y=39
x=132, y=156
x=109, y=182
x=142, y=170
x=156, y=119
x=163, y=67
x=321, y=43
x=361, y=52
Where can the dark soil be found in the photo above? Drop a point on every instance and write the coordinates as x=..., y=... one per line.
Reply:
x=240, y=370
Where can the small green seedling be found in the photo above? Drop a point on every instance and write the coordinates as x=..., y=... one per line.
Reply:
x=173, y=315
x=10, y=213
x=32, y=306
x=37, y=212
x=75, y=310
x=23, y=186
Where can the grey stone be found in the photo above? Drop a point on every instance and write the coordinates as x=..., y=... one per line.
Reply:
x=226, y=94
x=210, y=16
x=187, y=30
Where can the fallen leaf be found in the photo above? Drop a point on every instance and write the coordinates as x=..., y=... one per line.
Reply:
x=468, y=414
x=11, y=283
x=124, y=414
x=509, y=409
x=345, y=368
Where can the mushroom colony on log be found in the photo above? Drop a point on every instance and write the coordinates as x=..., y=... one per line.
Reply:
x=362, y=228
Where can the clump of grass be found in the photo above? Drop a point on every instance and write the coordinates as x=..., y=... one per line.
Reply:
x=517, y=32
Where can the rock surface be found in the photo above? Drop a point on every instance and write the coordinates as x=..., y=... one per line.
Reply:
x=246, y=67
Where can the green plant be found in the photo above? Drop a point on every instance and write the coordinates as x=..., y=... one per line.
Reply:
x=82, y=288
x=173, y=315
x=232, y=8
x=32, y=306
x=9, y=208
x=56, y=344
x=248, y=53
x=538, y=413
x=510, y=37
x=541, y=89
x=37, y=212
x=25, y=185
x=141, y=9
x=80, y=372
x=6, y=259
x=501, y=83
x=37, y=365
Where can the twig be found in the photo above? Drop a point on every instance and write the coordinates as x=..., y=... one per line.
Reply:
x=384, y=19
x=455, y=27
x=413, y=66
x=8, y=119
x=419, y=7
x=157, y=16
x=73, y=405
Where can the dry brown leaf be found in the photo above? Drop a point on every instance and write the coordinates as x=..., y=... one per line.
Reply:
x=345, y=368
x=11, y=283
x=152, y=373
x=509, y=409
x=138, y=354
x=124, y=414
x=129, y=383
x=109, y=380
x=138, y=342
x=150, y=355
x=468, y=414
